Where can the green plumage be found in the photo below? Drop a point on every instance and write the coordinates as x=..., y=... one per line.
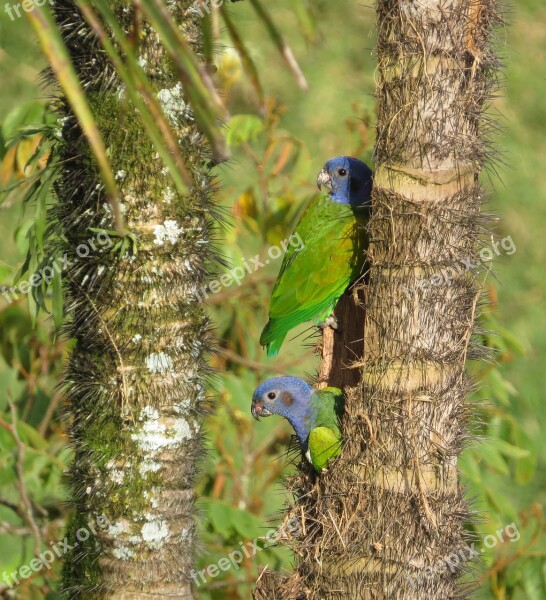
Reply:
x=325, y=439
x=311, y=280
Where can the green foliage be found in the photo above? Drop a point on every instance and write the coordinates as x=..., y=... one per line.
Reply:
x=504, y=451
x=32, y=461
x=243, y=129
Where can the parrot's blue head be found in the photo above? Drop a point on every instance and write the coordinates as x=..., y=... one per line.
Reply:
x=289, y=397
x=348, y=181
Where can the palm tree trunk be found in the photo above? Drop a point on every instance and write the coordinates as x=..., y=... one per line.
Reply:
x=136, y=378
x=387, y=520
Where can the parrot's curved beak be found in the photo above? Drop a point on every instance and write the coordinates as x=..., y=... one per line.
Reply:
x=324, y=180
x=257, y=409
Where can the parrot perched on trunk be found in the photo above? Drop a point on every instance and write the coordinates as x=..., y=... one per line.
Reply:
x=314, y=415
x=314, y=276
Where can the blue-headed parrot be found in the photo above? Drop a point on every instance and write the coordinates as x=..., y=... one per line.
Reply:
x=314, y=415
x=314, y=275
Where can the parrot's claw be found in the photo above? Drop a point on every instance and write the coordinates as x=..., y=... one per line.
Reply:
x=331, y=322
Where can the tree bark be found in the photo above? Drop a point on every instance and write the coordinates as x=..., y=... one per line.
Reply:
x=136, y=378
x=387, y=518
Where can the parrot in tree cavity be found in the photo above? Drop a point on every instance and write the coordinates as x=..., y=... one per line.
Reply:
x=314, y=276
x=314, y=415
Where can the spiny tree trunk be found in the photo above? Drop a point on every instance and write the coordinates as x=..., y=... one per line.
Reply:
x=383, y=520
x=135, y=382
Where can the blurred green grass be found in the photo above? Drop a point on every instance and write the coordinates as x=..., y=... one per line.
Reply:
x=519, y=200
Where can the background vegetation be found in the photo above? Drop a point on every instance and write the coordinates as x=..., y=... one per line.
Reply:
x=277, y=153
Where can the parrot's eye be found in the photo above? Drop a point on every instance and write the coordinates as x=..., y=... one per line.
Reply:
x=342, y=172
x=272, y=395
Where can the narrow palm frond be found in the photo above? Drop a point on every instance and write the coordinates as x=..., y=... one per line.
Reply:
x=57, y=54
x=140, y=90
x=199, y=88
x=246, y=60
x=280, y=43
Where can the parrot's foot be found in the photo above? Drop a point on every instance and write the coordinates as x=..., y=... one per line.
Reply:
x=332, y=322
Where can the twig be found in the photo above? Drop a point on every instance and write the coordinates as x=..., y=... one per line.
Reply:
x=247, y=362
x=7, y=503
x=230, y=583
x=337, y=530
x=121, y=369
x=19, y=468
x=262, y=573
x=49, y=413
x=251, y=280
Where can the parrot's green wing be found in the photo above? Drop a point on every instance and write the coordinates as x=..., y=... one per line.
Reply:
x=313, y=277
x=324, y=445
x=325, y=439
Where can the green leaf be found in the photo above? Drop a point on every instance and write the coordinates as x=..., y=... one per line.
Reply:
x=306, y=18
x=33, y=306
x=533, y=580
x=509, y=449
x=243, y=128
x=134, y=243
x=9, y=380
x=280, y=43
x=247, y=524
x=57, y=54
x=514, y=573
x=31, y=436
x=5, y=271
x=492, y=458
x=525, y=467
x=246, y=60
x=512, y=342
x=22, y=117
x=40, y=215
x=500, y=503
x=57, y=302
x=109, y=232
x=219, y=514
x=22, y=234
x=498, y=388
x=39, y=295
x=469, y=466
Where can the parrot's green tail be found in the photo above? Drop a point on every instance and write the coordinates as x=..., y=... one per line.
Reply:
x=274, y=347
x=271, y=339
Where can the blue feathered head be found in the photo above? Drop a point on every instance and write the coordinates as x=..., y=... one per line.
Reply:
x=348, y=181
x=289, y=397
